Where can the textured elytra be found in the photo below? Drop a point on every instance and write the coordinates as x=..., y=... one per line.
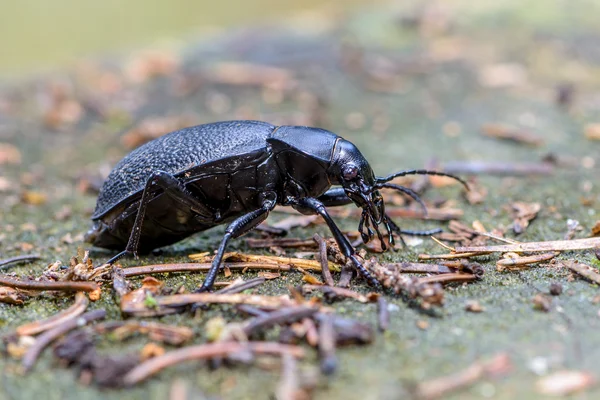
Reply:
x=177, y=152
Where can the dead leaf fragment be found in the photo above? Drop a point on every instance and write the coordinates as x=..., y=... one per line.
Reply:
x=34, y=198
x=474, y=306
x=151, y=350
x=422, y=324
x=563, y=383
x=505, y=132
x=592, y=131
x=542, y=302
x=596, y=228
x=9, y=154
x=523, y=213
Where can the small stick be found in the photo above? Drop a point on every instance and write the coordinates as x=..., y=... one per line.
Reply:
x=49, y=336
x=383, y=314
x=345, y=276
x=170, y=334
x=447, y=278
x=311, y=265
x=516, y=263
x=451, y=255
x=284, y=315
x=64, y=286
x=323, y=259
x=120, y=285
x=280, y=242
x=179, y=300
x=18, y=259
x=342, y=292
x=205, y=351
x=418, y=268
x=201, y=267
x=288, y=386
x=552, y=245
x=584, y=270
x=441, y=387
x=33, y=328
x=252, y=283
x=327, y=345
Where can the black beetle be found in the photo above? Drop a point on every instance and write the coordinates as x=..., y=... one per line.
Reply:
x=236, y=172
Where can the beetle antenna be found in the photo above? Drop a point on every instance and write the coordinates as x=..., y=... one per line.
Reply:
x=422, y=172
x=412, y=194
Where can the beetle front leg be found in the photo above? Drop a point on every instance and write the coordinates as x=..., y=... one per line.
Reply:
x=237, y=228
x=335, y=197
x=346, y=248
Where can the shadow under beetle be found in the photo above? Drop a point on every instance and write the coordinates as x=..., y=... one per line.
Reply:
x=236, y=172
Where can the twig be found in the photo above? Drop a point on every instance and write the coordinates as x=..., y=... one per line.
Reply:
x=441, y=387
x=451, y=256
x=411, y=286
x=418, y=268
x=519, y=262
x=383, y=314
x=279, y=242
x=33, y=328
x=205, y=351
x=447, y=278
x=311, y=265
x=345, y=276
x=179, y=300
x=238, y=288
x=323, y=259
x=49, y=336
x=556, y=245
x=288, y=386
x=584, y=270
x=64, y=286
x=18, y=259
x=284, y=315
x=174, y=335
x=327, y=345
x=201, y=267
x=341, y=292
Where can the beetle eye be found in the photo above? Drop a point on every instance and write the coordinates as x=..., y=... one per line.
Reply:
x=349, y=172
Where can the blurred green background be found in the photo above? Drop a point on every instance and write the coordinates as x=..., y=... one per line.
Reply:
x=38, y=35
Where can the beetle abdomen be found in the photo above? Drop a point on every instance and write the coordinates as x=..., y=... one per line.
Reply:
x=177, y=152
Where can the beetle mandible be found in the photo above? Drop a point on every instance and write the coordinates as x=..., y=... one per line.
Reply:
x=236, y=172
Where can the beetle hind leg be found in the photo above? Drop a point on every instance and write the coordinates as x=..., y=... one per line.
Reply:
x=172, y=188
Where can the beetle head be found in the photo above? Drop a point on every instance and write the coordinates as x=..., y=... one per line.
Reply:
x=352, y=171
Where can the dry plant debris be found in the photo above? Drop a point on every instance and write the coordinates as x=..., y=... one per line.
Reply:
x=564, y=383
x=497, y=366
x=519, y=136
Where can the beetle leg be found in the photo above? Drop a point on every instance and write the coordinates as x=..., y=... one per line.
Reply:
x=346, y=248
x=394, y=227
x=172, y=188
x=237, y=228
x=335, y=197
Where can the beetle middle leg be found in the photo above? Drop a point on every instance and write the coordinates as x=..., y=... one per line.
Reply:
x=237, y=228
x=172, y=188
x=317, y=207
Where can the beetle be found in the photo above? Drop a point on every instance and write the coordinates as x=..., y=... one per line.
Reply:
x=235, y=173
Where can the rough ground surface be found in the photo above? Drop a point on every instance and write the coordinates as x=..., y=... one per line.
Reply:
x=454, y=69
